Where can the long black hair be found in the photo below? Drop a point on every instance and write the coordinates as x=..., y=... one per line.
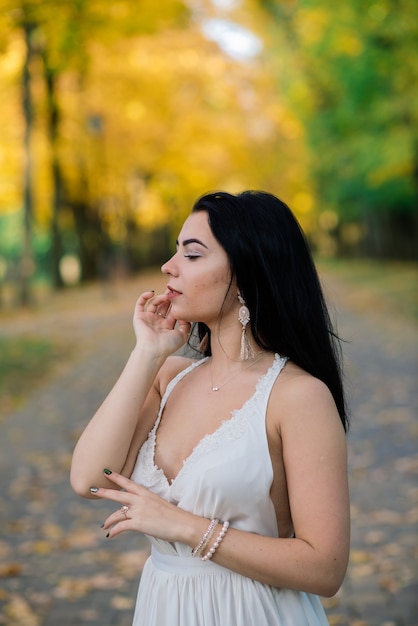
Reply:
x=275, y=273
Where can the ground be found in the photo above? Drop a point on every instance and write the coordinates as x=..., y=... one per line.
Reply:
x=56, y=567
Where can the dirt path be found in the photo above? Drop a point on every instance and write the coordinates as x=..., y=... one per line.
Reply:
x=55, y=565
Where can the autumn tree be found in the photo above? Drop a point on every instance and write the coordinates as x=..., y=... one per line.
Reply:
x=139, y=112
x=353, y=82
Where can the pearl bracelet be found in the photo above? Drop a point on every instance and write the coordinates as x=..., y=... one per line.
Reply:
x=206, y=538
x=217, y=543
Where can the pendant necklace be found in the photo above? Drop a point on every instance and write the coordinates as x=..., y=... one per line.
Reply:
x=214, y=388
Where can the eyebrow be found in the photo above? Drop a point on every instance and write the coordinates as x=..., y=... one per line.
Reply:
x=192, y=240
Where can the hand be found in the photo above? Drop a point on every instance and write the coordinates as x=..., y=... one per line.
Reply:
x=141, y=510
x=156, y=326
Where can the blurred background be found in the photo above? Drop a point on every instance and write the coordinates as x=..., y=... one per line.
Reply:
x=116, y=115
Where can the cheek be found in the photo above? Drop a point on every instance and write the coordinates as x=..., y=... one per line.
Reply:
x=213, y=282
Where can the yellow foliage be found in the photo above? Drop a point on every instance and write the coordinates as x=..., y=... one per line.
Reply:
x=151, y=211
x=157, y=117
x=311, y=24
x=348, y=44
x=303, y=202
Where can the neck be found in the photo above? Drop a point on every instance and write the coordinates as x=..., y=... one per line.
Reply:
x=226, y=355
x=226, y=345
x=219, y=379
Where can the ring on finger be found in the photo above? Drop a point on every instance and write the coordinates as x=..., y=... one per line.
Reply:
x=124, y=510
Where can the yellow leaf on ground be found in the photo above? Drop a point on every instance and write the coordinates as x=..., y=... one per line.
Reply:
x=10, y=570
x=19, y=612
x=122, y=603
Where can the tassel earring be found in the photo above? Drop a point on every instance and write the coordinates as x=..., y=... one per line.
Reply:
x=246, y=352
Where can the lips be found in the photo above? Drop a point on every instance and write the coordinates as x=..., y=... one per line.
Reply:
x=172, y=293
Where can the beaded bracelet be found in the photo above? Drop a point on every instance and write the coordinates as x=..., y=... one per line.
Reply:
x=217, y=543
x=206, y=538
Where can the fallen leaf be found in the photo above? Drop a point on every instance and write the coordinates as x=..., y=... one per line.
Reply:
x=386, y=516
x=389, y=584
x=19, y=611
x=359, y=556
x=375, y=536
x=361, y=571
x=10, y=570
x=130, y=564
x=122, y=603
x=337, y=620
x=74, y=588
x=80, y=539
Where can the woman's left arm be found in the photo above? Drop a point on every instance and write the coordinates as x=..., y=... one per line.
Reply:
x=315, y=460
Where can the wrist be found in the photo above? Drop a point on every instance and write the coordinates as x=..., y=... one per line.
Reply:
x=192, y=530
x=145, y=354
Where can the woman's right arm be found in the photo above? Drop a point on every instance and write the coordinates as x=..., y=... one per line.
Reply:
x=128, y=412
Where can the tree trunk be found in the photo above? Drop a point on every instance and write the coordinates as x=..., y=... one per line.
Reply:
x=26, y=262
x=57, y=179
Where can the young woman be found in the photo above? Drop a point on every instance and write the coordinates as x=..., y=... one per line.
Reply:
x=233, y=464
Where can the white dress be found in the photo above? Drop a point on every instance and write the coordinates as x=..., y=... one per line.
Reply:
x=228, y=476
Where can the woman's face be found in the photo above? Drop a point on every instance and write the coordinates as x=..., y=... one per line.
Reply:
x=199, y=283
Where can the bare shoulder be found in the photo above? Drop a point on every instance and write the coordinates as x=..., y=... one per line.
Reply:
x=299, y=399
x=171, y=367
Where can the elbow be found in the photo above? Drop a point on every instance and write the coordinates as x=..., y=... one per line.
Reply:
x=80, y=490
x=79, y=486
x=330, y=583
x=329, y=589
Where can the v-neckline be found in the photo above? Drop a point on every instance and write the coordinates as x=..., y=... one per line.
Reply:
x=234, y=414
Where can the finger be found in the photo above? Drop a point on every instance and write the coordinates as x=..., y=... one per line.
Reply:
x=143, y=299
x=163, y=309
x=121, y=481
x=119, y=528
x=184, y=327
x=121, y=497
x=156, y=302
x=121, y=515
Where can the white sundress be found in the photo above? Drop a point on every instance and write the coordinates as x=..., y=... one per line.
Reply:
x=228, y=476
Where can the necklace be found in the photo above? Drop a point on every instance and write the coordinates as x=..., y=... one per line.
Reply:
x=214, y=388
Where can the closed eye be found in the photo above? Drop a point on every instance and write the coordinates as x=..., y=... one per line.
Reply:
x=191, y=256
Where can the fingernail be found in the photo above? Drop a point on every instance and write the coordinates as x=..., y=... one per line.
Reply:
x=102, y=525
x=94, y=489
x=107, y=536
x=107, y=471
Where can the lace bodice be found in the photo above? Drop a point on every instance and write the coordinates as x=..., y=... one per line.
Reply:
x=229, y=473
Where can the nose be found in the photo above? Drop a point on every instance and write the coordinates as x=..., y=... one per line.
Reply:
x=169, y=267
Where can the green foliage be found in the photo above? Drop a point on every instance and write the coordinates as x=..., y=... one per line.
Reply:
x=353, y=81
x=136, y=113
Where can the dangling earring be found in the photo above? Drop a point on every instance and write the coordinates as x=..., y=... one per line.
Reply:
x=246, y=352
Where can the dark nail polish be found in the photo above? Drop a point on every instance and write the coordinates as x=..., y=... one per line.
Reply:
x=94, y=489
x=107, y=471
x=107, y=535
x=102, y=526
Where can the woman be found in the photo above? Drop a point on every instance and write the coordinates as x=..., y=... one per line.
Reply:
x=241, y=481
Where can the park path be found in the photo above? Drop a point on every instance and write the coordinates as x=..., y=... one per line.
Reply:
x=56, y=568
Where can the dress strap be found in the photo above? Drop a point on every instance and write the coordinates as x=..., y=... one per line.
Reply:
x=173, y=382
x=266, y=382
